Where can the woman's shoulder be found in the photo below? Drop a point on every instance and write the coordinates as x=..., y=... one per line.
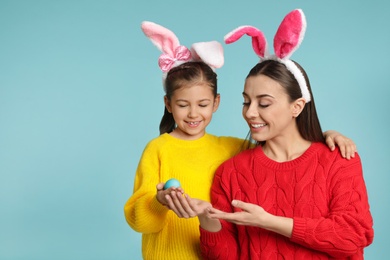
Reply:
x=334, y=158
x=323, y=150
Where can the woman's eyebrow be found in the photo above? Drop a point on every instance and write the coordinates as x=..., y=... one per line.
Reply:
x=258, y=96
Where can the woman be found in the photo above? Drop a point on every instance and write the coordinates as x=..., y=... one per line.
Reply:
x=289, y=197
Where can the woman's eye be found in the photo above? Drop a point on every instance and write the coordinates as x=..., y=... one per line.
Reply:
x=203, y=105
x=246, y=103
x=263, y=105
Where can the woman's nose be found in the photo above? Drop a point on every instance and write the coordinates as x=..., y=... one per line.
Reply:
x=251, y=111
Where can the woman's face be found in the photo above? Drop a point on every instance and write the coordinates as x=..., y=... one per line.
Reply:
x=267, y=108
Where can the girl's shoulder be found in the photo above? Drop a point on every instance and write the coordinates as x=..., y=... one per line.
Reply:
x=230, y=144
x=158, y=142
x=243, y=160
x=230, y=139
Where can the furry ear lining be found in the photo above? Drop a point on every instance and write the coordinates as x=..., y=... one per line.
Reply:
x=210, y=53
x=174, y=54
x=165, y=40
x=290, y=34
x=259, y=42
x=286, y=41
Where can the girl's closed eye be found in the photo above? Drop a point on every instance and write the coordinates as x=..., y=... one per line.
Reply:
x=181, y=104
x=204, y=104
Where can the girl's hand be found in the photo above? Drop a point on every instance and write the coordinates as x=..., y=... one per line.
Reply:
x=347, y=146
x=184, y=206
x=162, y=194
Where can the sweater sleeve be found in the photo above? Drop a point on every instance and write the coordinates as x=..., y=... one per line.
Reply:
x=222, y=244
x=347, y=229
x=142, y=211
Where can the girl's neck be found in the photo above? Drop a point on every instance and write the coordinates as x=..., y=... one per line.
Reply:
x=186, y=137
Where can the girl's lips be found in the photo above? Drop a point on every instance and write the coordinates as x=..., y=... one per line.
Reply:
x=193, y=124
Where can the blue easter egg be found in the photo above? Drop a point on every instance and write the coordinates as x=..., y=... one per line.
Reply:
x=171, y=183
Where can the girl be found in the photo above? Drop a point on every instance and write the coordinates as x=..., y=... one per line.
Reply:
x=183, y=150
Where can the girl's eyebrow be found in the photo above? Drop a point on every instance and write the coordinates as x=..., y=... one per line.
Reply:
x=185, y=100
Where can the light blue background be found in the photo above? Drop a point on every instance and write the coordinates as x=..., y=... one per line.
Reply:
x=81, y=95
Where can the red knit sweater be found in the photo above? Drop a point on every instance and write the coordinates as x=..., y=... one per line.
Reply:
x=324, y=194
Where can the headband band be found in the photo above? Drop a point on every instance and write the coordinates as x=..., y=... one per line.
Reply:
x=286, y=41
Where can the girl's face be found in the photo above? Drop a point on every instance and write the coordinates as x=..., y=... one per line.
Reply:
x=192, y=108
x=267, y=108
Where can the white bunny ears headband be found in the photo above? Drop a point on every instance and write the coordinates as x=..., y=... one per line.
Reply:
x=286, y=41
x=174, y=54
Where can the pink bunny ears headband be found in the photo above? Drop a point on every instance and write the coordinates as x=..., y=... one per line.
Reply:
x=286, y=41
x=174, y=54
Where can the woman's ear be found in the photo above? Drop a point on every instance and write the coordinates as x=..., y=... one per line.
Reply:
x=298, y=106
x=167, y=104
x=217, y=100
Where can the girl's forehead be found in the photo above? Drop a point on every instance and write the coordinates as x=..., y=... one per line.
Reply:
x=193, y=94
x=194, y=89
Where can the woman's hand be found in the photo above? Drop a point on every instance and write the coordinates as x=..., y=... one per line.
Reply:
x=254, y=215
x=347, y=146
x=249, y=215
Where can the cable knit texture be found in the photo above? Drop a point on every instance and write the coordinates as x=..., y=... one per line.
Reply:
x=193, y=163
x=324, y=194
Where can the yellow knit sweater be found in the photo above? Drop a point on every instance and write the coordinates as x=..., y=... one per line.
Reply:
x=193, y=163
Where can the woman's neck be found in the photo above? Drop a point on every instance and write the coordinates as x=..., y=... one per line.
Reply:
x=285, y=148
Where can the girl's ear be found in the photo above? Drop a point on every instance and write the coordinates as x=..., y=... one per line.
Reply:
x=167, y=104
x=298, y=106
x=217, y=100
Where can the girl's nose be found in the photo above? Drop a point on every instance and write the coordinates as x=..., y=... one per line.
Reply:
x=192, y=113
